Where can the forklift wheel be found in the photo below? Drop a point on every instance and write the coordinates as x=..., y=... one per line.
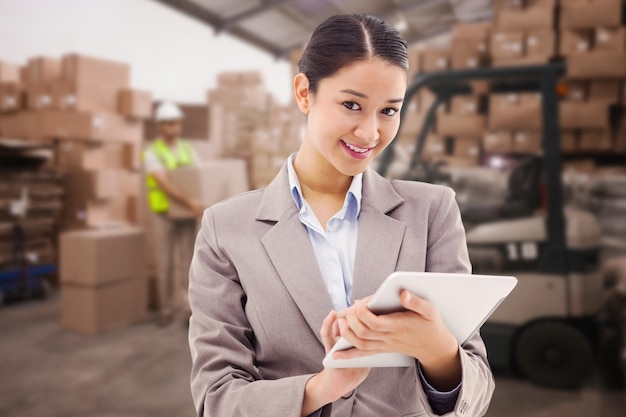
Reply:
x=554, y=354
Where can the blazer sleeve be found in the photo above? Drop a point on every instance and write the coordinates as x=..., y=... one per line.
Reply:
x=447, y=252
x=224, y=379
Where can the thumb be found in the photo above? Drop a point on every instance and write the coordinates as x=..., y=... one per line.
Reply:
x=416, y=304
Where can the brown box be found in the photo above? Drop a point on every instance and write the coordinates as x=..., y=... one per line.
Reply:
x=101, y=184
x=39, y=97
x=587, y=14
x=89, y=156
x=80, y=69
x=620, y=141
x=466, y=147
x=610, y=39
x=598, y=64
x=208, y=183
x=135, y=103
x=42, y=70
x=574, y=90
x=9, y=73
x=471, y=31
x=415, y=61
x=506, y=45
x=569, y=141
x=515, y=111
x=465, y=105
x=536, y=14
x=95, y=310
x=517, y=62
x=435, y=59
x=575, y=41
x=472, y=125
x=600, y=140
x=498, y=142
x=605, y=90
x=508, y=4
x=467, y=56
x=83, y=97
x=527, y=142
x=541, y=43
x=88, y=126
x=12, y=97
x=434, y=146
x=584, y=115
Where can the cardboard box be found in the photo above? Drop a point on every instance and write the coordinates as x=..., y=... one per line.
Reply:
x=498, y=142
x=506, y=45
x=584, y=115
x=569, y=141
x=467, y=56
x=42, y=70
x=515, y=111
x=573, y=90
x=415, y=61
x=78, y=69
x=458, y=125
x=584, y=14
x=598, y=64
x=435, y=60
x=12, y=97
x=95, y=310
x=101, y=184
x=471, y=31
x=39, y=97
x=536, y=14
x=508, y=4
x=90, y=156
x=610, y=39
x=605, y=90
x=467, y=147
x=83, y=97
x=575, y=41
x=527, y=142
x=208, y=183
x=620, y=141
x=96, y=257
x=465, y=105
x=135, y=103
x=88, y=126
x=434, y=146
x=600, y=140
x=541, y=43
x=9, y=73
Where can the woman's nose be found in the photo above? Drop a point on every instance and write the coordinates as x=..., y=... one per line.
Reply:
x=367, y=129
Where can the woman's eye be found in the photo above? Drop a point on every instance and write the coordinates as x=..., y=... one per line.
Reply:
x=389, y=111
x=351, y=105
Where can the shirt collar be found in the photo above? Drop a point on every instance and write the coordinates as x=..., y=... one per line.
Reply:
x=352, y=202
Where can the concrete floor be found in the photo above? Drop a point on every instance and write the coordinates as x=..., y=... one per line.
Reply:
x=143, y=370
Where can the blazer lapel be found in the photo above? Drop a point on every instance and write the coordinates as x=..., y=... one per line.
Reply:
x=380, y=236
x=290, y=251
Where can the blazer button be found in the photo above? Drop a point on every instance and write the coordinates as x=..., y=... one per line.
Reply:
x=348, y=395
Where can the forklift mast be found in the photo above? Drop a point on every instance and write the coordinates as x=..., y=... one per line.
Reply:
x=532, y=78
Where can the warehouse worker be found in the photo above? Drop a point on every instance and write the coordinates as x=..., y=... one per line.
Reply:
x=171, y=236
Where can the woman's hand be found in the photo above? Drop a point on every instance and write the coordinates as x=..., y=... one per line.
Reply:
x=332, y=383
x=418, y=332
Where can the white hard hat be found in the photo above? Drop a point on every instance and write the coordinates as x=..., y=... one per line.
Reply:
x=168, y=111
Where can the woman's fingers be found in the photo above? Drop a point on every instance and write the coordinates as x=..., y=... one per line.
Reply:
x=329, y=331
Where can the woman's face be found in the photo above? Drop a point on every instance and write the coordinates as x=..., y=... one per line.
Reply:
x=355, y=114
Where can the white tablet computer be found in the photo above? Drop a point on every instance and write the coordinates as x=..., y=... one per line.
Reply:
x=464, y=301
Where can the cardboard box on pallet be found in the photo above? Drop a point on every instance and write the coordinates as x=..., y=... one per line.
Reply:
x=515, y=111
x=435, y=59
x=467, y=56
x=584, y=115
x=535, y=14
x=469, y=45
x=610, y=39
x=87, y=126
x=465, y=105
x=95, y=156
x=80, y=70
x=498, y=142
x=42, y=70
x=208, y=183
x=596, y=64
x=586, y=14
x=135, y=103
x=434, y=146
x=527, y=142
x=573, y=90
x=101, y=184
x=83, y=97
x=95, y=257
x=94, y=310
x=39, y=97
x=540, y=43
x=569, y=141
x=467, y=147
x=605, y=90
x=507, y=45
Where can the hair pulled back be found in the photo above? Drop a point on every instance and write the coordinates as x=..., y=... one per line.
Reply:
x=344, y=39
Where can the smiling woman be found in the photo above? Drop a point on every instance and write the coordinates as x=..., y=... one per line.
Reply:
x=280, y=274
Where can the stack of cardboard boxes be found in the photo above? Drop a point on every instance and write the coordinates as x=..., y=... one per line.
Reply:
x=589, y=35
x=246, y=122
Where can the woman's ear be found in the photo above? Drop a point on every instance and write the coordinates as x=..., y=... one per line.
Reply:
x=302, y=93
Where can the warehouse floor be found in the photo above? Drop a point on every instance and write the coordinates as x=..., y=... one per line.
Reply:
x=144, y=371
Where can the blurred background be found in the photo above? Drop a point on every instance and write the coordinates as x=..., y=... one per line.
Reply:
x=518, y=105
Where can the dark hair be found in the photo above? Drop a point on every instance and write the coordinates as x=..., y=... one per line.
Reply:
x=344, y=39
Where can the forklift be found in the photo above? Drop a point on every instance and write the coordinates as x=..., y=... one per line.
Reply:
x=551, y=328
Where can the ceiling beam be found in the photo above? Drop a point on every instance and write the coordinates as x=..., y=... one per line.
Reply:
x=246, y=14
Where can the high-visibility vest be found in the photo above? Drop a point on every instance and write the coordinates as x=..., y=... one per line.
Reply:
x=157, y=198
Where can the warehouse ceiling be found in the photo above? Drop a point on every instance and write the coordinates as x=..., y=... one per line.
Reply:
x=280, y=26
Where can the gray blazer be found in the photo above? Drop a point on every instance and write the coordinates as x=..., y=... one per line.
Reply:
x=258, y=300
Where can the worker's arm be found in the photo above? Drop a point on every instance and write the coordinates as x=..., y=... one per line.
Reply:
x=175, y=194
